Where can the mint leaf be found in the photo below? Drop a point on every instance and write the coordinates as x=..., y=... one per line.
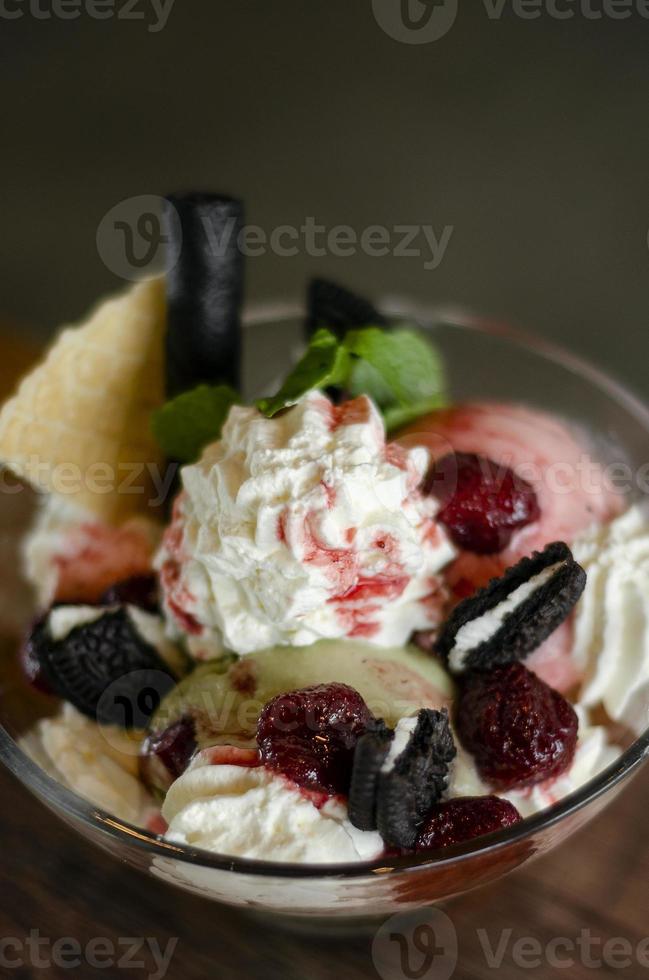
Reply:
x=326, y=362
x=398, y=369
x=407, y=364
x=366, y=380
x=189, y=422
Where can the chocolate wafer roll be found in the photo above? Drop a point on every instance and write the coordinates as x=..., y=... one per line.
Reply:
x=204, y=291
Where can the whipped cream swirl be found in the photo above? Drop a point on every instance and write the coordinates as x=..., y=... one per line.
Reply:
x=303, y=527
x=611, y=644
x=250, y=812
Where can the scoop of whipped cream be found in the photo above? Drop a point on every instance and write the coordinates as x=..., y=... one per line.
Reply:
x=302, y=527
x=251, y=812
x=99, y=763
x=611, y=640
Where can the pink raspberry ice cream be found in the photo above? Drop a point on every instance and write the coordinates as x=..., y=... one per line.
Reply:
x=570, y=485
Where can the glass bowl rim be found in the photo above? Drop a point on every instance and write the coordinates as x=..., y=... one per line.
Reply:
x=60, y=798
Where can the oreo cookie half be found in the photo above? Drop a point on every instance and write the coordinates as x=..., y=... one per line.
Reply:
x=514, y=614
x=103, y=665
x=369, y=755
x=413, y=775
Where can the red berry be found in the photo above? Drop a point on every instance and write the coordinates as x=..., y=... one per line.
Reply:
x=310, y=735
x=464, y=818
x=483, y=503
x=164, y=756
x=519, y=730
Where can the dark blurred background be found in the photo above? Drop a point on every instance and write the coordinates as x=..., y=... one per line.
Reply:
x=527, y=137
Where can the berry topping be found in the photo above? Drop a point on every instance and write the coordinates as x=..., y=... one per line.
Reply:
x=514, y=614
x=310, y=735
x=106, y=669
x=139, y=590
x=413, y=775
x=519, y=730
x=482, y=503
x=165, y=756
x=230, y=755
x=461, y=819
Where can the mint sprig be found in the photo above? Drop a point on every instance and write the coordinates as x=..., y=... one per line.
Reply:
x=325, y=363
x=399, y=369
x=185, y=425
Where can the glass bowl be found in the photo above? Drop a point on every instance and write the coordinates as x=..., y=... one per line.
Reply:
x=484, y=361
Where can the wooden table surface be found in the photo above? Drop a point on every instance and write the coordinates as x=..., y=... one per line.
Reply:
x=54, y=882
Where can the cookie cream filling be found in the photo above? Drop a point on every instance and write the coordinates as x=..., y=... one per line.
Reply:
x=402, y=733
x=482, y=629
x=63, y=619
x=250, y=812
x=303, y=527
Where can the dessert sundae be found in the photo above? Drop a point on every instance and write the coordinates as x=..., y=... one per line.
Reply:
x=348, y=620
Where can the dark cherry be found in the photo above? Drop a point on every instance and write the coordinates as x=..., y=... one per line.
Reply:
x=519, y=730
x=464, y=818
x=482, y=503
x=165, y=755
x=139, y=590
x=310, y=735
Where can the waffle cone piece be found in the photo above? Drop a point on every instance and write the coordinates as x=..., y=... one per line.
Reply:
x=79, y=424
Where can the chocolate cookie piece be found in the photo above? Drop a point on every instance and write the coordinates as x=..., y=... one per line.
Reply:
x=369, y=755
x=514, y=614
x=413, y=775
x=106, y=669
